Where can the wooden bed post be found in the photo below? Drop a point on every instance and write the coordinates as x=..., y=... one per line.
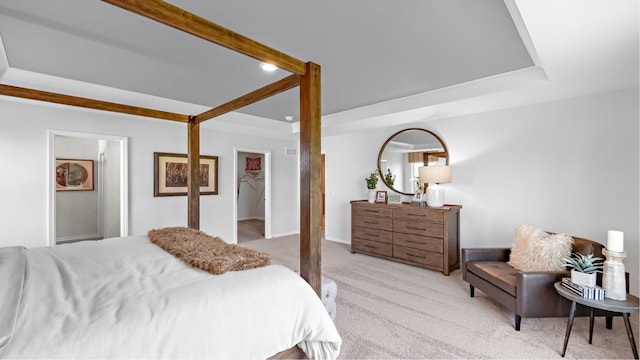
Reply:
x=193, y=167
x=310, y=177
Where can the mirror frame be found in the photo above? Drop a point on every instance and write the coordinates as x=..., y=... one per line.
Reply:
x=444, y=146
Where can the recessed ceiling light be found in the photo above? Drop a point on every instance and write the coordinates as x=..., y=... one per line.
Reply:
x=288, y=117
x=267, y=67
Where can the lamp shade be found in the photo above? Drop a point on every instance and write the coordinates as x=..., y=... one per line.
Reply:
x=437, y=174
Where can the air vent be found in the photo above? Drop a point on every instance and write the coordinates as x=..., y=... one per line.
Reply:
x=290, y=152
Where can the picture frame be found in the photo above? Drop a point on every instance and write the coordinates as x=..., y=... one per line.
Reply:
x=170, y=174
x=381, y=197
x=417, y=196
x=394, y=199
x=74, y=175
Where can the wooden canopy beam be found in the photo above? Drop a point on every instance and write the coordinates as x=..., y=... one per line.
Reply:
x=285, y=84
x=183, y=20
x=40, y=95
x=310, y=178
x=193, y=172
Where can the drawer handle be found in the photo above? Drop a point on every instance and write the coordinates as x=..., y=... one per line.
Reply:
x=372, y=211
x=374, y=235
x=415, y=242
x=415, y=228
x=371, y=222
x=420, y=215
x=371, y=246
x=416, y=256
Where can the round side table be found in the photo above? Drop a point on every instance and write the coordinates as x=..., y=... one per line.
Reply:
x=623, y=307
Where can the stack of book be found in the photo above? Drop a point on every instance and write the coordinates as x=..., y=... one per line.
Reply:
x=587, y=292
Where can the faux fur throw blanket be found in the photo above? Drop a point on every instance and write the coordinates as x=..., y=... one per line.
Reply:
x=206, y=252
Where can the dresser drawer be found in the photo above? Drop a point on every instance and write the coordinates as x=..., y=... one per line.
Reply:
x=420, y=236
x=422, y=257
x=418, y=242
x=419, y=214
x=419, y=228
x=373, y=211
x=372, y=247
x=372, y=234
x=373, y=222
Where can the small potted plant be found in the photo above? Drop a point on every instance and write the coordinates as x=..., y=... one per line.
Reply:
x=372, y=183
x=584, y=268
x=389, y=177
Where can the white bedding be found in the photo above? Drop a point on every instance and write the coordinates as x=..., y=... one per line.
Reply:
x=127, y=298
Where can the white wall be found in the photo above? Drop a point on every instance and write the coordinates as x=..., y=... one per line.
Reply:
x=23, y=184
x=567, y=166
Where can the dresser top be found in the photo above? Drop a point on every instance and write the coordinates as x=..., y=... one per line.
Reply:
x=446, y=207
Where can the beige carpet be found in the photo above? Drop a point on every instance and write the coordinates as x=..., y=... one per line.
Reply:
x=388, y=310
x=250, y=229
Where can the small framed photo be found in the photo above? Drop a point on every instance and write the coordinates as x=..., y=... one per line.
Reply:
x=417, y=196
x=381, y=197
x=394, y=199
x=74, y=175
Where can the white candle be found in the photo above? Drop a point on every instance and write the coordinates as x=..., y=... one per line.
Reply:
x=615, y=241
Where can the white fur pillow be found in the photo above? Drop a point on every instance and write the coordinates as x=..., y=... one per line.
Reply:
x=536, y=250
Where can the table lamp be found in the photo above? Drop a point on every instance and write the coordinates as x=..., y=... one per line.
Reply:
x=434, y=176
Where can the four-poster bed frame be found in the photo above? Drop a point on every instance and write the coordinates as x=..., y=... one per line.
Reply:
x=304, y=75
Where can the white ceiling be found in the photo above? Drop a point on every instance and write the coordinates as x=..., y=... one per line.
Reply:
x=382, y=61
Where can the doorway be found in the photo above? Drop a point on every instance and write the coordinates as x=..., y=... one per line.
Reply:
x=87, y=187
x=252, y=215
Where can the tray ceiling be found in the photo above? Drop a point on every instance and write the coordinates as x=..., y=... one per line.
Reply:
x=369, y=51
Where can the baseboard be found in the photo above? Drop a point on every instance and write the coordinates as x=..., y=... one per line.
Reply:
x=72, y=239
x=284, y=234
x=251, y=218
x=76, y=238
x=338, y=241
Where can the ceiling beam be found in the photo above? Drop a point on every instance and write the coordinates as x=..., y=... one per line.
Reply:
x=180, y=19
x=40, y=95
x=279, y=86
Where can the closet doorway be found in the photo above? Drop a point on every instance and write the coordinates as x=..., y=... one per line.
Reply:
x=253, y=195
x=87, y=187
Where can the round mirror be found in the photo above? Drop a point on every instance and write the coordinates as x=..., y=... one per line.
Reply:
x=404, y=152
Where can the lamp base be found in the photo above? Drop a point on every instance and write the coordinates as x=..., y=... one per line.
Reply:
x=435, y=196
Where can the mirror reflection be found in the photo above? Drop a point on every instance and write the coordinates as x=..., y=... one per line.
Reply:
x=404, y=152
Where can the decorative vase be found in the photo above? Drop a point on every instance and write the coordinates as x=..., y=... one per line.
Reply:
x=583, y=279
x=371, y=195
x=613, y=277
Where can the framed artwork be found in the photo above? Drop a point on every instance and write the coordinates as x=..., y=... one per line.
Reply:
x=170, y=174
x=74, y=175
x=394, y=199
x=381, y=197
x=252, y=164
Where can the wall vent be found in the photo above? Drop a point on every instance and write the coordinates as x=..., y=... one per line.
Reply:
x=290, y=152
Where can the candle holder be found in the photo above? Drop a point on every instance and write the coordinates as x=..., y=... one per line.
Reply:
x=613, y=277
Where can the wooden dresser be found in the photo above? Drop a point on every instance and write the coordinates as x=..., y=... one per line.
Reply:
x=421, y=236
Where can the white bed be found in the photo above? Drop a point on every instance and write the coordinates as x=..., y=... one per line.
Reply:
x=128, y=298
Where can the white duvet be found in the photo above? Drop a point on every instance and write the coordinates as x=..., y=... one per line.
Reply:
x=127, y=298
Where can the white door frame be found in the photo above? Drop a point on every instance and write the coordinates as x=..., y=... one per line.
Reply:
x=267, y=191
x=51, y=184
